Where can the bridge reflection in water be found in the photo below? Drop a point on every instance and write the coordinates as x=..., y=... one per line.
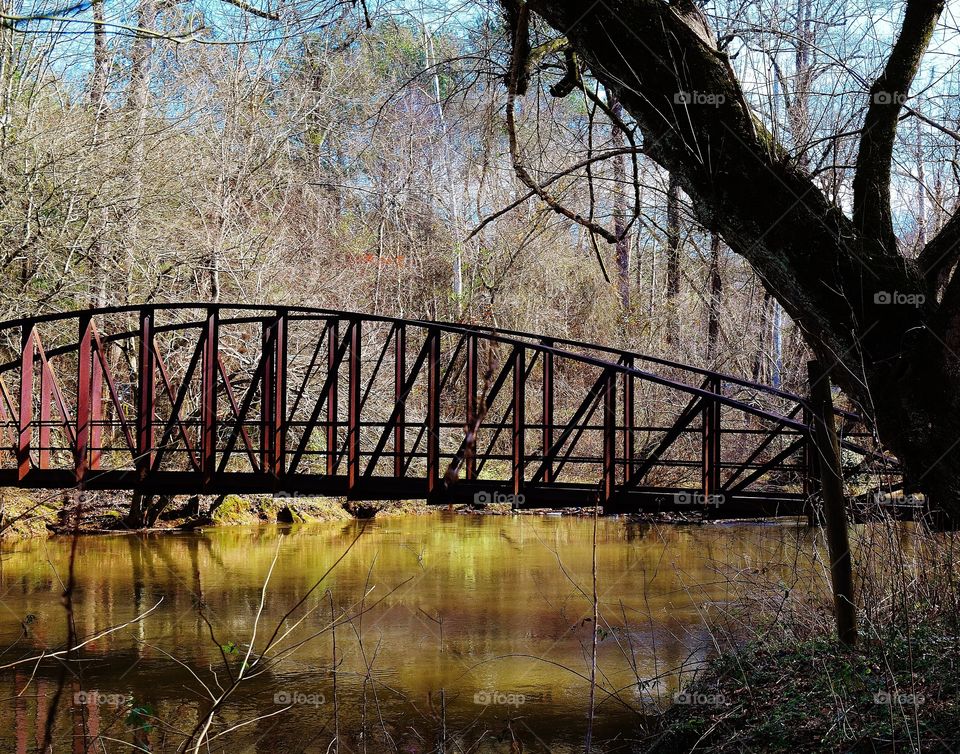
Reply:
x=194, y=398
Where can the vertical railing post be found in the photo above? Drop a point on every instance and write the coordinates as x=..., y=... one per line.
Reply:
x=278, y=399
x=353, y=408
x=609, y=438
x=84, y=396
x=629, y=391
x=711, y=441
x=274, y=395
x=146, y=403
x=46, y=395
x=433, y=412
x=333, y=370
x=96, y=407
x=519, y=419
x=399, y=378
x=268, y=349
x=471, y=409
x=208, y=397
x=547, y=443
x=26, y=401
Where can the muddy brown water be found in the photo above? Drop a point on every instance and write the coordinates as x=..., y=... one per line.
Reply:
x=473, y=630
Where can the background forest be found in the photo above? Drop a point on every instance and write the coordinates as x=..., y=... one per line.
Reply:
x=297, y=156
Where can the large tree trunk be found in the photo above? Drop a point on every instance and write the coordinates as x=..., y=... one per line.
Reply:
x=868, y=313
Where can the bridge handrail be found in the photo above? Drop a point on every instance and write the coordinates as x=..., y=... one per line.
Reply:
x=510, y=337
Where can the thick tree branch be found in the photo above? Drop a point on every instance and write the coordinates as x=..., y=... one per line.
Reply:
x=252, y=10
x=941, y=253
x=518, y=29
x=871, y=184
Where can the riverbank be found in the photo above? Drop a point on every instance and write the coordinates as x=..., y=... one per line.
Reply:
x=896, y=694
x=793, y=687
x=26, y=514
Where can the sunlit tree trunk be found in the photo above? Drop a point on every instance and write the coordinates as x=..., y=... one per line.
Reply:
x=138, y=99
x=673, y=256
x=98, y=102
x=620, y=211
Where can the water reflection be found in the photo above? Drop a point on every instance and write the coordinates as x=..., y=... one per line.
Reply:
x=447, y=628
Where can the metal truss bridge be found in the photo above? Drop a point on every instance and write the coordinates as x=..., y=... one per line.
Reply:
x=215, y=399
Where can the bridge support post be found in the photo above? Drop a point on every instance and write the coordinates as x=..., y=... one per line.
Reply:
x=46, y=395
x=609, y=439
x=27, y=351
x=85, y=396
x=711, y=444
x=547, y=412
x=353, y=409
x=146, y=395
x=208, y=397
x=266, y=395
x=96, y=407
x=834, y=503
x=433, y=412
x=519, y=420
x=471, y=409
x=274, y=395
x=629, y=390
x=399, y=379
x=333, y=345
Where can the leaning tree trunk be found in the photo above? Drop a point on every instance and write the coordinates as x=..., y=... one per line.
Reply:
x=869, y=314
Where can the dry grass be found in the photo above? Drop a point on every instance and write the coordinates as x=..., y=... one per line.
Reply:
x=792, y=687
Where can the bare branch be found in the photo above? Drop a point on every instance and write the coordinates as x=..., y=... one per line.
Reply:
x=871, y=184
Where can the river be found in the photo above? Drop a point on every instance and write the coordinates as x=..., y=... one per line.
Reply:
x=474, y=630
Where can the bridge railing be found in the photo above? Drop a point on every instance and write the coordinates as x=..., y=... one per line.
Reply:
x=199, y=398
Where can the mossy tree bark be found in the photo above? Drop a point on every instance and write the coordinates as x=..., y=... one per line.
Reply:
x=838, y=276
